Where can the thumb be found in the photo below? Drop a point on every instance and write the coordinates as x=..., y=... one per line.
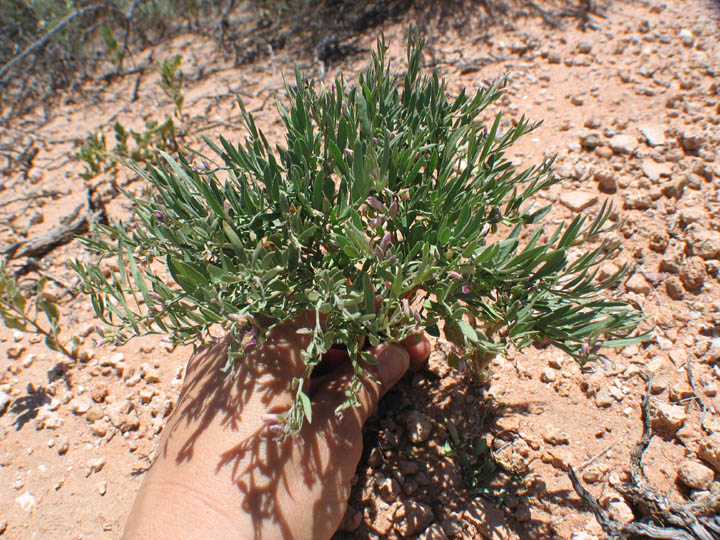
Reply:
x=393, y=361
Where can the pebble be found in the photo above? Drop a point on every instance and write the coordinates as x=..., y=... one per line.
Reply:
x=674, y=288
x=389, y=489
x=692, y=140
x=578, y=200
x=433, y=532
x=96, y=465
x=654, y=134
x=638, y=284
x=695, y=475
x=603, y=398
x=554, y=436
x=485, y=516
x=655, y=171
x=702, y=242
x=63, y=445
x=591, y=141
x=26, y=501
x=79, y=405
x=418, y=426
x=709, y=450
x=411, y=517
x=637, y=200
x=623, y=144
x=4, y=401
x=150, y=373
x=692, y=274
x=3, y=526
x=548, y=375
x=666, y=418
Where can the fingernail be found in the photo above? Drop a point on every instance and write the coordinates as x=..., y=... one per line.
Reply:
x=392, y=364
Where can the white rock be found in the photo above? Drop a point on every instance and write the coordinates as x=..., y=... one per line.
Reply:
x=655, y=171
x=623, y=144
x=578, y=200
x=26, y=501
x=695, y=475
x=96, y=465
x=654, y=134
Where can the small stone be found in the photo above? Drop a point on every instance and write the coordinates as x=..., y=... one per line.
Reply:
x=389, y=489
x=692, y=274
x=79, y=405
x=692, y=140
x=553, y=436
x=638, y=284
x=560, y=458
x=620, y=511
x=418, y=426
x=674, y=288
x=99, y=392
x=659, y=241
x=26, y=501
x=485, y=516
x=554, y=57
x=695, y=475
x=654, y=134
x=433, y=532
x=591, y=141
x=548, y=375
x=606, y=180
x=666, y=418
x=655, y=171
x=113, y=360
x=150, y=373
x=99, y=428
x=578, y=200
x=709, y=450
x=577, y=100
x=62, y=446
x=96, y=465
x=15, y=352
x=702, y=242
x=102, y=488
x=4, y=401
x=411, y=517
x=603, y=399
x=679, y=391
x=123, y=417
x=692, y=214
x=637, y=200
x=623, y=144
x=3, y=526
x=607, y=270
x=593, y=475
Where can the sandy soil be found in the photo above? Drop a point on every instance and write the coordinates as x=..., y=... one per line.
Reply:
x=631, y=107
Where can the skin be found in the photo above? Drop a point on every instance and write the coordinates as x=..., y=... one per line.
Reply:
x=220, y=473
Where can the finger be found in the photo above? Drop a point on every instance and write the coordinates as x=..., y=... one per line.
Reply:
x=418, y=347
x=392, y=362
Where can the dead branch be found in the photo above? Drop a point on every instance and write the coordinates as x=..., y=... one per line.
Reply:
x=76, y=223
x=698, y=520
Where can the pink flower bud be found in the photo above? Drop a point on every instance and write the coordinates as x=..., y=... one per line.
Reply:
x=454, y=274
x=375, y=203
x=386, y=239
x=466, y=289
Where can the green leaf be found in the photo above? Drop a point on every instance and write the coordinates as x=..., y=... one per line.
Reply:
x=468, y=331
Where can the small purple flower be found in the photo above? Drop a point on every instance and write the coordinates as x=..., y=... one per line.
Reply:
x=376, y=222
x=199, y=166
x=376, y=204
x=393, y=211
x=349, y=152
x=454, y=274
x=376, y=141
x=394, y=133
x=379, y=253
x=241, y=319
x=466, y=289
x=248, y=340
x=160, y=215
x=351, y=85
x=386, y=239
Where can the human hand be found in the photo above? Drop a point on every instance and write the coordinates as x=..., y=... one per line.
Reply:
x=220, y=473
